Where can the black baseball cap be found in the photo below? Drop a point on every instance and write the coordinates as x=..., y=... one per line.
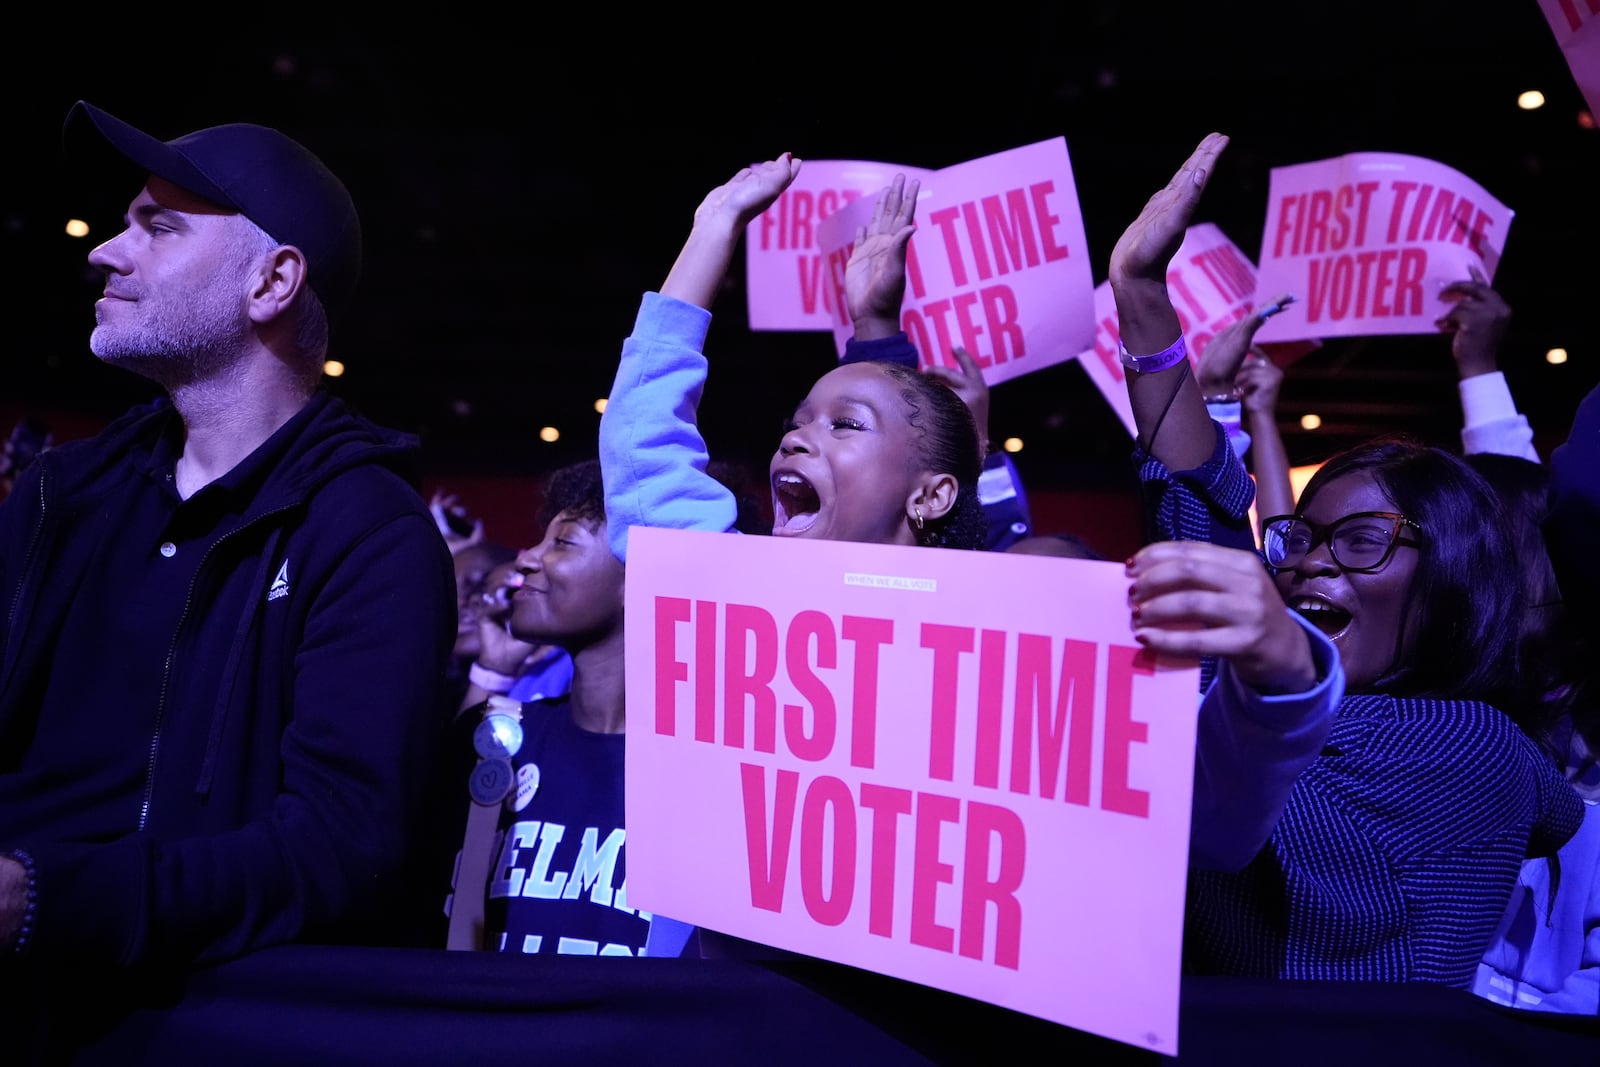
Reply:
x=263, y=174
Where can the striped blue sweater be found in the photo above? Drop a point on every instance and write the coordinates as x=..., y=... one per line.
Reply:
x=1396, y=853
x=1400, y=844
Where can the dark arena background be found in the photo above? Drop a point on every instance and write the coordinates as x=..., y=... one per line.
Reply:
x=521, y=184
x=524, y=175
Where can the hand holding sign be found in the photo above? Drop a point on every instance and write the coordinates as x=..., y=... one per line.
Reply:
x=1191, y=598
x=919, y=763
x=1258, y=382
x=1370, y=240
x=1477, y=324
x=1217, y=367
x=875, y=274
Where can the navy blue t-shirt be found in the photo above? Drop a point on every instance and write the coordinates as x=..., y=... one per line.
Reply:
x=559, y=883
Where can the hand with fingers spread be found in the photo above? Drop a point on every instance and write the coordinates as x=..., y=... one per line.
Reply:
x=1217, y=366
x=969, y=385
x=1477, y=323
x=1190, y=598
x=875, y=275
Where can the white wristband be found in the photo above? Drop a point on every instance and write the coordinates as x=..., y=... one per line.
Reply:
x=489, y=681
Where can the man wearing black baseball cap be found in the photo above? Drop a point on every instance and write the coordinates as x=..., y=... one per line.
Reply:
x=227, y=615
x=267, y=177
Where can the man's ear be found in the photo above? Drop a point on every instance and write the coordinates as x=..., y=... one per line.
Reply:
x=935, y=495
x=279, y=279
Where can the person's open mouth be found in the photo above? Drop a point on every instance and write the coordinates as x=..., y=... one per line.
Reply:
x=1326, y=617
x=795, y=504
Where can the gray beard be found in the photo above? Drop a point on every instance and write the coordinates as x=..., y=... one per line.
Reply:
x=180, y=351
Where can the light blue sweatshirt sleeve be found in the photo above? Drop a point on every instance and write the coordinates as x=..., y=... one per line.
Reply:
x=1249, y=750
x=652, y=457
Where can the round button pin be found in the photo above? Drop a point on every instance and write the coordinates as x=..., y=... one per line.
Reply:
x=497, y=736
x=491, y=781
x=527, y=785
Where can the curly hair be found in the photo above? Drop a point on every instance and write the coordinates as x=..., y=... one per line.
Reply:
x=576, y=488
x=947, y=442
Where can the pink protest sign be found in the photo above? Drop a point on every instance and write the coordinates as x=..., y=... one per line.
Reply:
x=1576, y=25
x=956, y=768
x=998, y=265
x=1367, y=241
x=1212, y=284
x=783, y=268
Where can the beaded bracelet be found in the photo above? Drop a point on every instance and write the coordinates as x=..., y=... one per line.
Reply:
x=1170, y=356
x=25, y=931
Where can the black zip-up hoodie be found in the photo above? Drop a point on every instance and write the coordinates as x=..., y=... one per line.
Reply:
x=279, y=799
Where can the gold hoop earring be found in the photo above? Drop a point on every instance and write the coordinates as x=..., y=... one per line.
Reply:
x=918, y=518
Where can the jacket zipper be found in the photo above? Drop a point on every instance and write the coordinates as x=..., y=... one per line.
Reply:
x=172, y=652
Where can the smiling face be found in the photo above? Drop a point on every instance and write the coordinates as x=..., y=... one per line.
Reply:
x=177, y=286
x=1365, y=614
x=848, y=463
x=572, y=587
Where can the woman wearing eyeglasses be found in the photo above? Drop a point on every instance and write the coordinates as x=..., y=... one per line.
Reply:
x=1398, y=847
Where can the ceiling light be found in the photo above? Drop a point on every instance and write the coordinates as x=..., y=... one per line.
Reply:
x=77, y=228
x=549, y=433
x=332, y=368
x=1556, y=356
x=1310, y=422
x=1531, y=100
x=600, y=405
x=1012, y=444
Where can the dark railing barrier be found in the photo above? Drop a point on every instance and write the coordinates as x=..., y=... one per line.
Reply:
x=396, y=1006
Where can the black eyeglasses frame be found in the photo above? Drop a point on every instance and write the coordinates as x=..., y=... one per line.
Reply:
x=1323, y=534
